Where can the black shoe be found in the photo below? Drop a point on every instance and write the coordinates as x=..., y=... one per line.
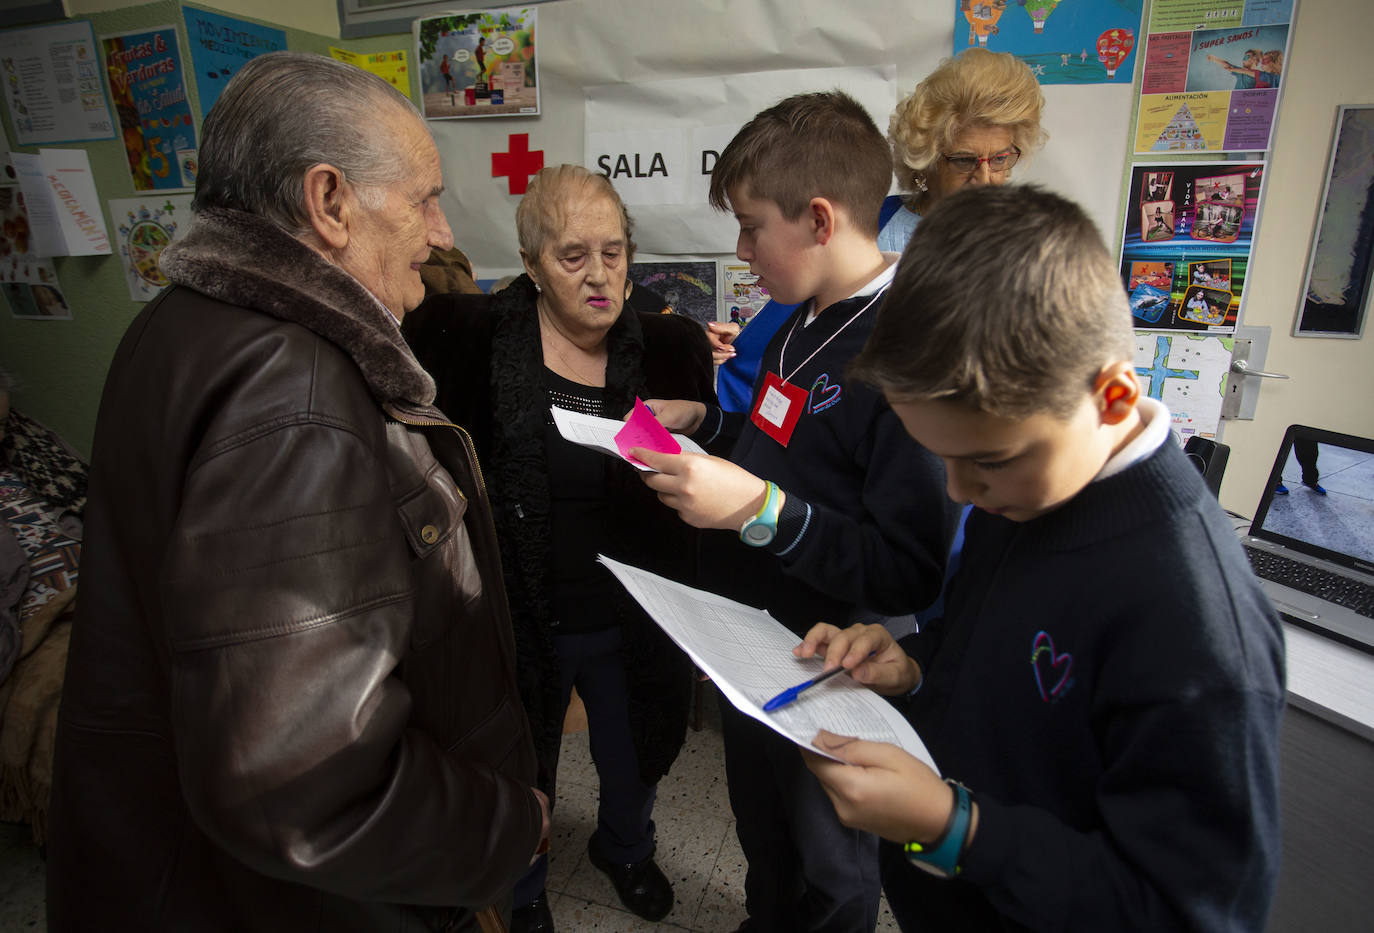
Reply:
x=533, y=918
x=642, y=886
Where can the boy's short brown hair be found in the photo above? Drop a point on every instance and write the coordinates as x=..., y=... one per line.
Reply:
x=1006, y=301
x=808, y=146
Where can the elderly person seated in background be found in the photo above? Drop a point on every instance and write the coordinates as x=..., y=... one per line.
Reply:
x=968, y=123
x=561, y=334
x=290, y=700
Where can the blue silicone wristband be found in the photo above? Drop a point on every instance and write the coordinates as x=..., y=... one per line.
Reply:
x=941, y=857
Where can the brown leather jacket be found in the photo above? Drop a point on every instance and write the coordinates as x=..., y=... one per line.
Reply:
x=290, y=701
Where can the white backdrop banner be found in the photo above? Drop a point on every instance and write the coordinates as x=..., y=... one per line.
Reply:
x=658, y=142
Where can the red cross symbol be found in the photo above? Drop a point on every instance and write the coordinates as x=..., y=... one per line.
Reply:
x=518, y=164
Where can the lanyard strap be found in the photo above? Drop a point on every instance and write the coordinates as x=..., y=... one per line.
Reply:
x=795, y=324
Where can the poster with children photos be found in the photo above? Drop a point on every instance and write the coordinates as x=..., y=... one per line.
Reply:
x=1189, y=232
x=144, y=228
x=1187, y=372
x=28, y=281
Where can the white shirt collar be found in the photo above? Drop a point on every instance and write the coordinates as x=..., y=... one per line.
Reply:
x=878, y=282
x=1155, y=418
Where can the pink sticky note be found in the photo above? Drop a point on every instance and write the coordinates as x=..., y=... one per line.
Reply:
x=643, y=430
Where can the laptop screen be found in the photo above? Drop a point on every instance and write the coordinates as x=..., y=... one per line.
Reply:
x=1319, y=498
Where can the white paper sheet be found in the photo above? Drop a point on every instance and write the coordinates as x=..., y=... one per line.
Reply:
x=748, y=654
x=599, y=434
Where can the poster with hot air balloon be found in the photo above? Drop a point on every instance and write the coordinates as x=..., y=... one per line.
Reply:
x=480, y=63
x=1063, y=41
x=1213, y=74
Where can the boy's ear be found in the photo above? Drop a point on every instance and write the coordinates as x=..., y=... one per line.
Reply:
x=1116, y=391
x=324, y=207
x=821, y=216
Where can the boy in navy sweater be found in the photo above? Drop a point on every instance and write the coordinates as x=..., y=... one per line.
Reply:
x=1106, y=683
x=845, y=512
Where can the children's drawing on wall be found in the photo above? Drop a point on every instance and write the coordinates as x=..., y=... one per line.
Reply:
x=1183, y=260
x=478, y=64
x=1187, y=372
x=741, y=295
x=688, y=288
x=147, y=226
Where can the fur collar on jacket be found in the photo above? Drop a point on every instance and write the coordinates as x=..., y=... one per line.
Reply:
x=247, y=260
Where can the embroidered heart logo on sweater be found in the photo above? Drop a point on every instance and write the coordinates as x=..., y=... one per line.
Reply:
x=826, y=393
x=1051, y=669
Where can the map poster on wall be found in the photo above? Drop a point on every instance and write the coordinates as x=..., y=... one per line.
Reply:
x=1185, y=250
x=144, y=228
x=1063, y=43
x=220, y=45
x=148, y=87
x=478, y=64
x=689, y=288
x=1213, y=72
x=53, y=84
x=1187, y=372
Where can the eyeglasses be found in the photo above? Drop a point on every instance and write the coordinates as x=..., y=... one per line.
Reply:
x=967, y=164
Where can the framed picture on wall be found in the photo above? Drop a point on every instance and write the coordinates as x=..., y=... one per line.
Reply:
x=384, y=17
x=1339, y=288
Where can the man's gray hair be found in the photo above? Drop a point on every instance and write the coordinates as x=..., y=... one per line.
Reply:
x=285, y=112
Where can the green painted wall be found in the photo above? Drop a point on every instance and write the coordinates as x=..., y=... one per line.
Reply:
x=61, y=365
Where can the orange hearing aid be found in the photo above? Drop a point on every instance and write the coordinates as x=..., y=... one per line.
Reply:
x=1115, y=393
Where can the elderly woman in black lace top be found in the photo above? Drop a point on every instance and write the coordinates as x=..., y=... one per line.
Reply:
x=561, y=334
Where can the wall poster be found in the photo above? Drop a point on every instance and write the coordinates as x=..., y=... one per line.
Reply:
x=148, y=87
x=53, y=84
x=1185, y=250
x=1213, y=71
x=478, y=64
x=1062, y=43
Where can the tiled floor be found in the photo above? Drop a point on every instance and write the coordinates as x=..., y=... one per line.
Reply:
x=697, y=849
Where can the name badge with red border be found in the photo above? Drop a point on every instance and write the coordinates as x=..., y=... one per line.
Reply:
x=778, y=407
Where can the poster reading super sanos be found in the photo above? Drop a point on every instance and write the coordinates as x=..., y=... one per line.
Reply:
x=478, y=64
x=1213, y=74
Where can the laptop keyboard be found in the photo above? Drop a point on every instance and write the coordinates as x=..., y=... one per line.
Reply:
x=1352, y=594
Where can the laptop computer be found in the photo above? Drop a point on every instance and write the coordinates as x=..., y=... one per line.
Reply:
x=1311, y=542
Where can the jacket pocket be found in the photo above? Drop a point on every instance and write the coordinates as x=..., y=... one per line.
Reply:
x=431, y=515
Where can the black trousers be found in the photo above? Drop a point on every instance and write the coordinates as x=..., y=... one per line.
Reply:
x=807, y=873
x=624, y=825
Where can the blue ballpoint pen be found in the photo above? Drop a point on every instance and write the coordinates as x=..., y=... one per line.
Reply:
x=790, y=694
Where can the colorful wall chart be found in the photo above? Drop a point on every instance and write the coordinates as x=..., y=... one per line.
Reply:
x=51, y=76
x=1063, y=43
x=1189, y=230
x=219, y=47
x=1212, y=75
x=148, y=88
x=144, y=228
x=1187, y=372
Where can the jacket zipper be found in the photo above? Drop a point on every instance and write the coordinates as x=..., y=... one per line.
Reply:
x=468, y=446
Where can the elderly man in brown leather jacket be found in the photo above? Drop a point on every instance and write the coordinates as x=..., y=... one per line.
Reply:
x=290, y=701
